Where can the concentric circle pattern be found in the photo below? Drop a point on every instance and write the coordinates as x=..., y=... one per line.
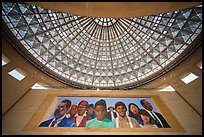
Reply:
x=102, y=52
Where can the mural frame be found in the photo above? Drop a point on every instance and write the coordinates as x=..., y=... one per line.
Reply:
x=48, y=104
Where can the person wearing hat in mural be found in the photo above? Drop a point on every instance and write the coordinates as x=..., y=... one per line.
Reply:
x=100, y=121
x=60, y=119
x=91, y=111
x=81, y=117
x=111, y=114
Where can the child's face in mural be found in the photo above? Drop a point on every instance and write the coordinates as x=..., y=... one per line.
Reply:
x=121, y=110
x=134, y=109
x=147, y=105
x=90, y=110
x=145, y=119
x=81, y=109
x=100, y=111
x=61, y=110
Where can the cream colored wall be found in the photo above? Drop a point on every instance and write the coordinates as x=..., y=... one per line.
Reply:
x=25, y=109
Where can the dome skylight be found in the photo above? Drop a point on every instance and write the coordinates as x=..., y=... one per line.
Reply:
x=90, y=52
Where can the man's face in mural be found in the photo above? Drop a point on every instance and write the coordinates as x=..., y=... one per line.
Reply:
x=121, y=110
x=147, y=105
x=61, y=110
x=111, y=109
x=81, y=109
x=100, y=111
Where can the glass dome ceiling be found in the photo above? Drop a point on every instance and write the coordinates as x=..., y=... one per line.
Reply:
x=109, y=53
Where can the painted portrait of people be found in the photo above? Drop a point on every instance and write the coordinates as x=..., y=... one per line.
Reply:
x=96, y=112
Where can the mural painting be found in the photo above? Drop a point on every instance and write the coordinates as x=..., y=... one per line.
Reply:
x=97, y=112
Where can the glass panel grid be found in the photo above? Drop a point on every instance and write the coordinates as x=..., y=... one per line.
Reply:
x=106, y=46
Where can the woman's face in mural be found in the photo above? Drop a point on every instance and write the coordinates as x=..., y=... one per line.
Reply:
x=100, y=111
x=121, y=110
x=73, y=110
x=134, y=109
x=61, y=110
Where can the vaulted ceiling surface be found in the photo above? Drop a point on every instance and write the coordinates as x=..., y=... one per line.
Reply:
x=115, y=9
x=111, y=53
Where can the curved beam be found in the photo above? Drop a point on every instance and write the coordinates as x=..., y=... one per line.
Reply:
x=115, y=9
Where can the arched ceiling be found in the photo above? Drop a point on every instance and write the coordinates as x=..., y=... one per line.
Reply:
x=108, y=53
x=115, y=9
